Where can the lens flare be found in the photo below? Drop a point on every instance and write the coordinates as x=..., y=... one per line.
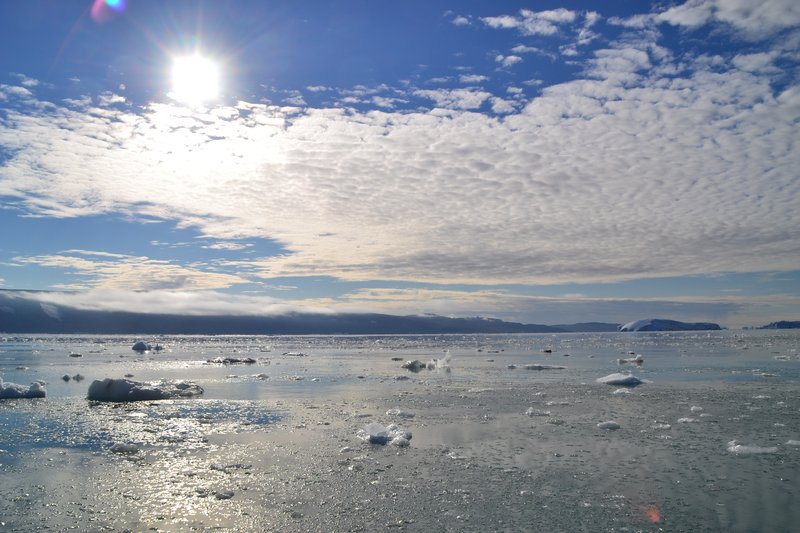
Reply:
x=652, y=513
x=103, y=10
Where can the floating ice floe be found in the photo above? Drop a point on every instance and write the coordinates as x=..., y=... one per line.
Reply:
x=125, y=390
x=232, y=361
x=619, y=379
x=608, y=425
x=376, y=433
x=741, y=449
x=537, y=366
x=638, y=360
x=696, y=409
x=12, y=390
x=531, y=412
x=619, y=392
x=793, y=442
x=399, y=413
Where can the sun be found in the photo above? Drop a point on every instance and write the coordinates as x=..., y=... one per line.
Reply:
x=195, y=79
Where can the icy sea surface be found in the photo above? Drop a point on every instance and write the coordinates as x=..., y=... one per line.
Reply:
x=310, y=433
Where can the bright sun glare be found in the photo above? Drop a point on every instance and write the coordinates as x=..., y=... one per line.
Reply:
x=195, y=79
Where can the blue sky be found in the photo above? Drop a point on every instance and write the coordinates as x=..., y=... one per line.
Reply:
x=546, y=162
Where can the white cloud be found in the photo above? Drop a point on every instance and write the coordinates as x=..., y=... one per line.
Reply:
x=168, y=302
x=532, y=22
x=645, y=167
x=472, y=78
x=461, y=21
x=502, y=107
x=104, y=270
x=455, y=98
x=758, y=62
x=752, y=20
x=507, y=61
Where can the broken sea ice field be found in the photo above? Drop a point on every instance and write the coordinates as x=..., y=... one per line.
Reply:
x=308, y=443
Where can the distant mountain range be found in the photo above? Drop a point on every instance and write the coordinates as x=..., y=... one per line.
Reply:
x=19, y=314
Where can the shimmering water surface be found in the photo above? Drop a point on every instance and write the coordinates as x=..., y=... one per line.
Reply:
x=273, y=445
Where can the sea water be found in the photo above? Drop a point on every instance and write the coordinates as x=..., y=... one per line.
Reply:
x=508, y=433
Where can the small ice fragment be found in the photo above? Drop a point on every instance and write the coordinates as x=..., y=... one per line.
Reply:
x=261, y=376
x=740, y=449
x=224, y=494
x=400, y=441
x=531, y=412
x=638, y=360
x=660, y=425
x=622, y=391
x=696, y=409
x=686, y=420
x=537, y=366
x=511, y=366
x=620, y=380
x=414, y=366
x=123, y=448
x=375, y=433
x=400, y=413
x=608, y=425
x=793, y=442
x=346, y=449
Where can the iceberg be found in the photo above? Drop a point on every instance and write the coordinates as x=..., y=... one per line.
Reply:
x=660, y=324
x=126, y=390
x=10, y=391
x=141, y=346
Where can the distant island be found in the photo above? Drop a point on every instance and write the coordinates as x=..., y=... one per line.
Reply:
x=783, y=324
x=661, y=324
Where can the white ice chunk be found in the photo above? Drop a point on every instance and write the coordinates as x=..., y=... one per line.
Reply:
x=531, y=412
x=125, y=390
x=12, y=390
x=740, y=449
x=687, y=420
x=696, y=409
x=619, y=379
x=608, y=425
x=621, y=391
x=537, y=366
x=376, y=433
x=399, y=413
x=793, y=442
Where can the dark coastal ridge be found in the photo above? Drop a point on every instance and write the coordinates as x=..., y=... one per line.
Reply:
x=21, y=313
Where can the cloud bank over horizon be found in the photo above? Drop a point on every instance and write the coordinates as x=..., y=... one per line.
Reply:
x=654, y=161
